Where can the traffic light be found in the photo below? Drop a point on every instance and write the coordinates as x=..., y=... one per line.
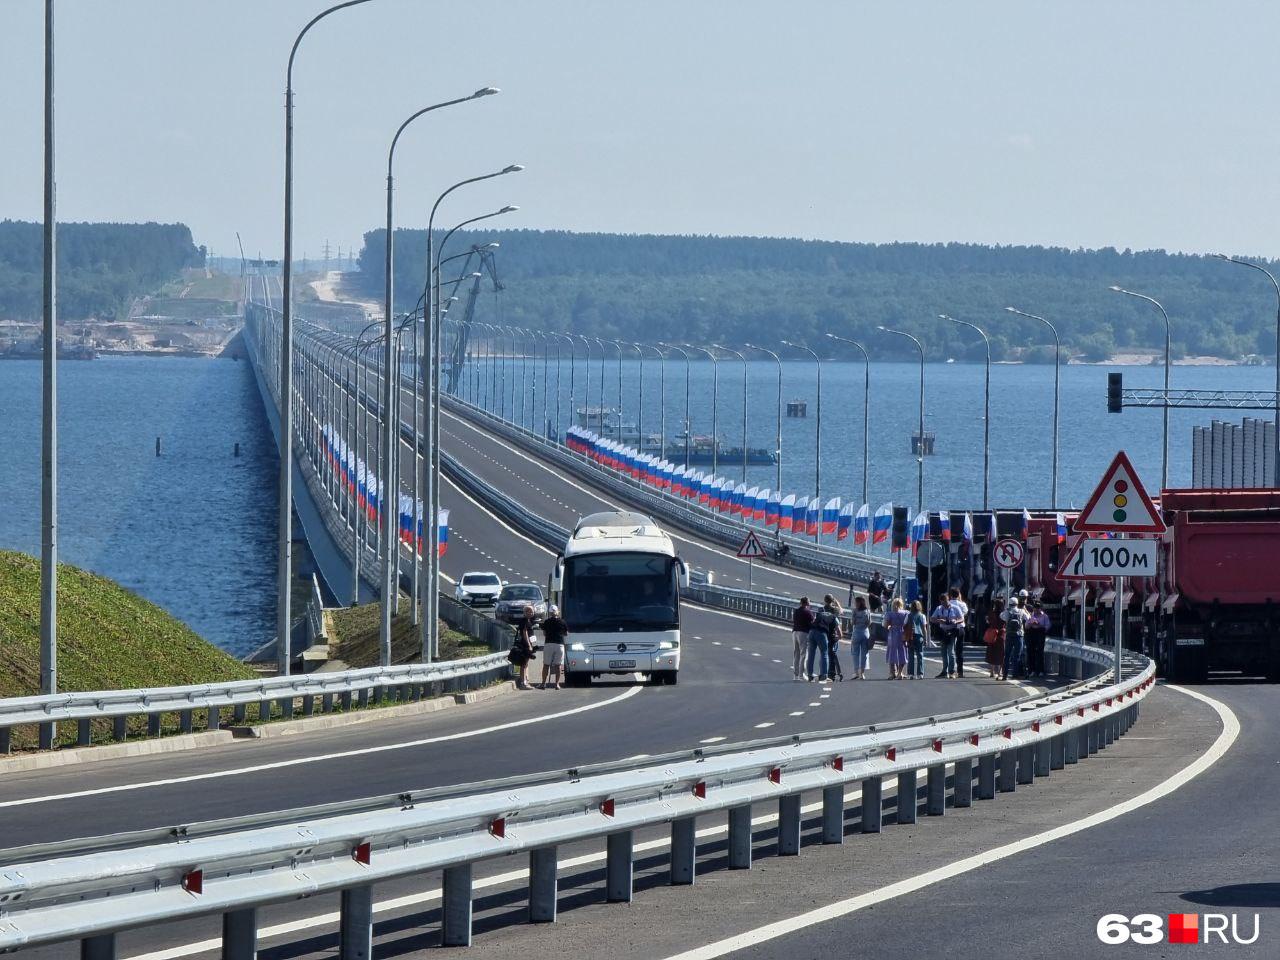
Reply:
x=1115, y=386
x=901, y=528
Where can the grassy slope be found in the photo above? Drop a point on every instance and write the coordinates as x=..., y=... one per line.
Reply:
x=356, y=640
x=108, y=637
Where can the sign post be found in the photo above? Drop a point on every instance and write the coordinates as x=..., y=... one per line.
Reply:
x=751, y=550
x=1009, y=554
x=1119, y=505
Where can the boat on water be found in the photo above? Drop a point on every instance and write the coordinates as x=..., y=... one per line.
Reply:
x=681, y=448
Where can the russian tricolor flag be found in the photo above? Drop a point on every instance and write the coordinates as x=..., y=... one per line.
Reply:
x=741, y=506
x=919, y=530
x=968, y=528
x=773, y=508
x=1060, y=527
x=812, y=516
x=1024, y=524
x=844, y=522
x=442, y=528
x=831, y=515
x=862, y=524
x=944, y=525
x=749, y=504
x=786, y=511
x=883, y=523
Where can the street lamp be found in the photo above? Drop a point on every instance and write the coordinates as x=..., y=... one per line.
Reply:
x=618, y=344
x=866, y=408
x=1261, y=269
x=744, y=406
x=49, y=416
x=817, y=453
x=284, y=546
x=920, y=458
x=986, y=411
x=777, y=452
x=662, y=396
x=1168, y=336
x=1057, y=373
x=715, y=403
x=688, y=425
x=640, y=404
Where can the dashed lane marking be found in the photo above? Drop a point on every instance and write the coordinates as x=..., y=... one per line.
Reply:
x=713, y=740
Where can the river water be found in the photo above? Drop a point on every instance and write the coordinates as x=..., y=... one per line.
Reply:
x=193, y=529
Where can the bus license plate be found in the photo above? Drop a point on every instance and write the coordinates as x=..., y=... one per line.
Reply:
x=622, y=664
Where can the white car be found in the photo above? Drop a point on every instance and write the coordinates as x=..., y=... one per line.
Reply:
x=476, y=588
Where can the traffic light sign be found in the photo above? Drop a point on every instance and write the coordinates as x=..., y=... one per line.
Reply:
x=1119, y=504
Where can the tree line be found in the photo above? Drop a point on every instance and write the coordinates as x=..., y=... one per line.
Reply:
x=101, y=266
x=703, y=289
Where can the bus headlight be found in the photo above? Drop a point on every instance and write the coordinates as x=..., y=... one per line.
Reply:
x=577, y=646
x=668, y=644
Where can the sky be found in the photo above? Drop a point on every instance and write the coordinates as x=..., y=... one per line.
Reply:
x=1143, y=124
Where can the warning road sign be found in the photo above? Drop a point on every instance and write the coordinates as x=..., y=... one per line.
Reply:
x=1119, y=504
x=1072, y=565
x=751, y=548
x=1009, y=553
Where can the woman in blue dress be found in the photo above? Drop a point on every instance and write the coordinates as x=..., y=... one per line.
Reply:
x=896, y=649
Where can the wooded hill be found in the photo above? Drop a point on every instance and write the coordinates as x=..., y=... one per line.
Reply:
x=101, y=266
x=736, y=289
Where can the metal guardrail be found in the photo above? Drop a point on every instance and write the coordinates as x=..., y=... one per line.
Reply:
x=90, y=896
x=315, y=613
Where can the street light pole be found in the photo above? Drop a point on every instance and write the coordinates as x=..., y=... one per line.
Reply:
x=688, y=424
x=778, y=452
x=920, y=459
x=357, y=531
x=817, y=453
x=866, y=409
x=715, y=404
x=744, y=406
x=1057, y=374
x=640, y=407
x=986, y=412
x=662, y=397
x=49, y=412
x=1168, y=336
x=1275, y=476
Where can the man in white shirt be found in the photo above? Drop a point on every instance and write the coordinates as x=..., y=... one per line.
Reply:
x=960, y=610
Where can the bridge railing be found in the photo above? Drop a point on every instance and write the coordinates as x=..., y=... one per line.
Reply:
x=92, y=895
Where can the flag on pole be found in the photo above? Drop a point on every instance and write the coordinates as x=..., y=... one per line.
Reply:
x=785, y=511
x=442, y=520
x=989, y=524
x=812, y=514
x=968, y=528
x=749, y=505
x=1060, y=527
x=944, y=525
x=919, y=530
x=831, y=515
x=741, y=505
x=883, y=523
x=1024, y=524
x=862, y=525
x=773, y=509
x=844, y=522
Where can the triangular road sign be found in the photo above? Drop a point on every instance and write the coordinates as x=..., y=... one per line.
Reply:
x=751, y=548
x=1119, y=504
x=1070, y=565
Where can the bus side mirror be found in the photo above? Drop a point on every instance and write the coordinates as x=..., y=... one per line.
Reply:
x=684, y=574
x=557, y=578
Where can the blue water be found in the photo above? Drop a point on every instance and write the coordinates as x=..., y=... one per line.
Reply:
x=192, y=530
x=1021, y=423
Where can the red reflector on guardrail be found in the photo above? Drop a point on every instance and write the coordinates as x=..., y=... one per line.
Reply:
x=1097, y=707
x=837, y=763
x=606, y=807
x=937, y=746
x=1008, y=733
x=775, y=775
x=1108, y=701
x=700, y=790
x=362, y=853
x=974, y=738
x=1035, y=726
x=891, y=754
x=498, y=827
x=1058, y=719
x=193, y=881
x=1079, y=711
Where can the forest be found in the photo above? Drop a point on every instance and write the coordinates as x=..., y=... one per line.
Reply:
x=101, y=266
x=707, y=289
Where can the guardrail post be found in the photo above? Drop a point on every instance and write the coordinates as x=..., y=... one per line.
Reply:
x=355, y=926
x=455, y=906
x=100, y=947
x=1058, y=752
x=363, y=698
x=962, y=783
x=345, y=699
x=240, y=934
x=153, y=724
x=286, y=708
x=264, y=711
x=543, y=886
x=186, y=722
x=5, y=738
x=684, y=851
x=833, y=813
x=239, y=713
x=214, y=719
x=1095, y=743
x=120, y=728
x=308, y=704
x=872, y=799
x=936, y=784
x=1026, y=761
x=907, y=796
x=1042, y=758
x=1082, y=741
x=326, y=703
x=788, y=825
x=1008, y=769
x=618, y=867
x=1071, y=747
x=740, y=837
x=48, y=733
x=84, y=732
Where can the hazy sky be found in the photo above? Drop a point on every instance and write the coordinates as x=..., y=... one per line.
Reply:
x=1141, y=124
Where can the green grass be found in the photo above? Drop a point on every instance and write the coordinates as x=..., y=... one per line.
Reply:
x=108, y=638
x=355, y=640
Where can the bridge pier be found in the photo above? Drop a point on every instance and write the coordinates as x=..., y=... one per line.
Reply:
x=543, y=885
x=833, y=813
x=684, y=851
x=788, y=825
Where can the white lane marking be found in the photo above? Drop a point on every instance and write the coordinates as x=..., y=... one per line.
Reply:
x=823, y=696
x=300, y=761
x=766, y=724
x=755, y=654
x=713, y=739
x=815, y=704
x=433, y=894
x=796, y=713
x=810, y=581
x=739, y=649
x=715, y=643
x=840, y=908
x=777, y=661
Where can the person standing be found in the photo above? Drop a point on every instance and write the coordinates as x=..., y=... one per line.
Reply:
x=801, y=621
x=830, y=618
x=819, y=643
x=1037, y=633
x=522, y=649
x=895, y=654
x=554, y=631
x=993, y=639
x=917, y=632
x=1015, y=625
x=860, y=641
x=962, y=623
x=876, y=589
x=943, y=620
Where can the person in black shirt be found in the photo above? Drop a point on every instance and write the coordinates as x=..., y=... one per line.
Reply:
x=554, y=630
x=876, y=590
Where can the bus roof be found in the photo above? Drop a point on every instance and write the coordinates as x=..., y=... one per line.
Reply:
x=616, y=531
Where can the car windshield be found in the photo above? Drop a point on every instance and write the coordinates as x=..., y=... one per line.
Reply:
x=521, y=593
x=607, y=591
x=480, y=580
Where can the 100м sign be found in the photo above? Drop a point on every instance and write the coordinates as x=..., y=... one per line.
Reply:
x=1118, y=558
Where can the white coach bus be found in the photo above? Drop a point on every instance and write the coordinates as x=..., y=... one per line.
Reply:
x=619, y=582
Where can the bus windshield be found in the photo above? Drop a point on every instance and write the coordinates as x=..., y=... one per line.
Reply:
x=631, y=591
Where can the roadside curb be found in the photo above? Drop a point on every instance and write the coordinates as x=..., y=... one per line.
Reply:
x=210, y=738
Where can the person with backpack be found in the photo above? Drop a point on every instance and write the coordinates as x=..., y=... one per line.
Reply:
x=523, y=649
x=801, y=621
x=819, y=646
x=895, y=653
x=860, y=641
x=915, y=633
x=830, y=617
x=1015, y=628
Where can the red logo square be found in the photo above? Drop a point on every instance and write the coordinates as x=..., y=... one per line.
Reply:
x=1184, y=928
